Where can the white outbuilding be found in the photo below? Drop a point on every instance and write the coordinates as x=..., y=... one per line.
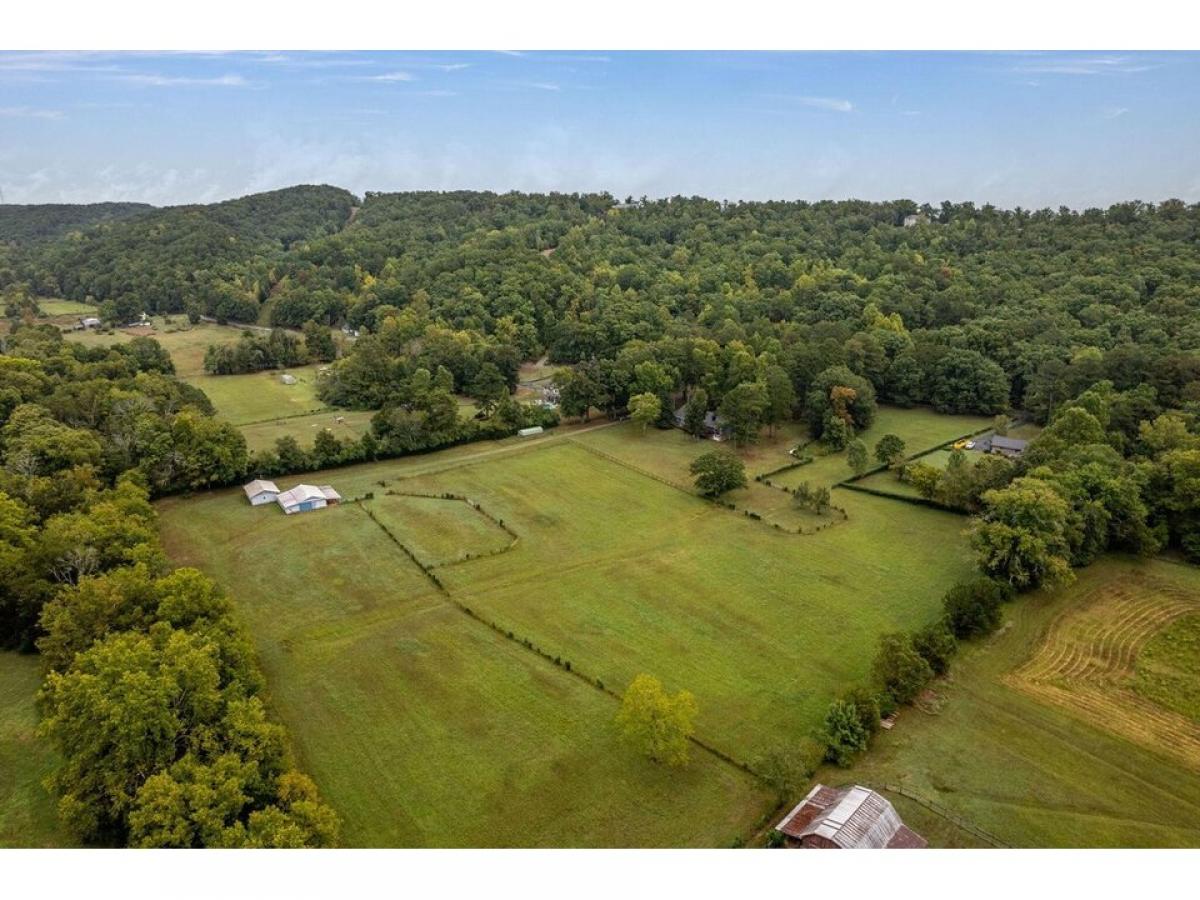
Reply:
x=259, y=492
x=306, y=497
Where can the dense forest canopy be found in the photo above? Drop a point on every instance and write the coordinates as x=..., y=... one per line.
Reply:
x=1086, y=322
x=27, y=224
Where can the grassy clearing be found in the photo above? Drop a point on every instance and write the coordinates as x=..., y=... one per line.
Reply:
x=1048, y=774
x=185, y=343
x=261, y=397
x=919, y=428
x=263, y=435
x=27, y=810
x=437, y=530
x=668, y=454
x=1167, y=670
x=621, y=574
x=57, y=307
x=422, y=726
x=1086, y=664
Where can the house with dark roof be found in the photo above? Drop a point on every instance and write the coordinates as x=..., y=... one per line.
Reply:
x=850, y=818
x=1013, y=448
x=715, y=426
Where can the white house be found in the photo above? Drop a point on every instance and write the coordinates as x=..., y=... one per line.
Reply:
x=306, y=497
x=259, y=492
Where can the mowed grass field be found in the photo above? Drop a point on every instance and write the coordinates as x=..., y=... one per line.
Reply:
x=261, y=397
x=53, y=307
x=1042, y=770
x=424, y=727
x=621, y=574
x=668, y=454
x=263, y=435
x=397, y=700
x=27, y=810
x=919, y=428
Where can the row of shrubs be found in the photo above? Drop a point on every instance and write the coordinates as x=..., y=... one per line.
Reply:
x=905, y=663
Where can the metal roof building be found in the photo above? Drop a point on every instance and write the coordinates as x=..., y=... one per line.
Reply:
x=306, y=497
x=852, y=818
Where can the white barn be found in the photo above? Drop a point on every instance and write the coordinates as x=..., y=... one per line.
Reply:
x=259, y=492
x=307, y=497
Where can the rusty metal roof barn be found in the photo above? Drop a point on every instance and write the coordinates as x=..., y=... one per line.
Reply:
x=852, y=818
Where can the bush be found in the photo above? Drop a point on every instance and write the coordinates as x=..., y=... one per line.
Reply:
x=788, y=768
x=973, y=607
x=936, y=644
x=899, y=668
x=843, y=733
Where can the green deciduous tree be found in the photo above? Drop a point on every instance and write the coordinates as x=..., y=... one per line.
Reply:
x=644, y=409
x=718, y=471
x=899, y=668
x=656, y=723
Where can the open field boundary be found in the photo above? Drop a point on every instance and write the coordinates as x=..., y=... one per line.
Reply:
x=1086, y=660
x=937, y=809
x=554, y=659
x=842, y=515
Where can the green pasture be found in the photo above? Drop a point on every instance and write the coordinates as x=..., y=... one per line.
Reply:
x=263, y=435
x=1040, y=775
x=439, y=530
x=422, y=726
x=27, y=810
x=920, y=429
x=259, y=397
x=58, y=307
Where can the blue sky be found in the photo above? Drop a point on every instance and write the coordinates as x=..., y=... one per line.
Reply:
x=1029, y=129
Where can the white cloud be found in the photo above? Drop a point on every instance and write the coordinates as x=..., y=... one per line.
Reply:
x=154, y=80
x=510, y=52
x=28, y=112
x=390, y=76
x=1114, y=112
x=1083, y=65
x=538, y=85
x=836, y=104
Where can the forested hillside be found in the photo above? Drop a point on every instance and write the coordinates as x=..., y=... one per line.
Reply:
x=213, y=259
x=46, y=221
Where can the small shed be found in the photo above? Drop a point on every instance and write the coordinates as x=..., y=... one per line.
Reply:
x=530, y=432
x=259, y=492
x=90, y=322
x=850, y=818
x=287, y=378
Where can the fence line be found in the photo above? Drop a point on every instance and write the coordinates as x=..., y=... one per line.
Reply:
x=952, y=817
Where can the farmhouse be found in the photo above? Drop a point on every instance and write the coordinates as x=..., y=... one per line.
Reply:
x=306, y=497
x=1013, y=448
x=259, y=492
x=852, y=818
x=714, y=426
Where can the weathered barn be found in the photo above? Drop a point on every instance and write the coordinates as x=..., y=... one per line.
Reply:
x=852, y=818
x=259, y=492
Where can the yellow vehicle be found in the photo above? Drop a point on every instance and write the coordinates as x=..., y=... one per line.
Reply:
x=961, y=445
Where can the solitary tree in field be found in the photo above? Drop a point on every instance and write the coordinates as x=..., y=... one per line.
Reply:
x=644, y=409
x=856, y=455
x=889, y=450
x=658, y=724
x=717, y=472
